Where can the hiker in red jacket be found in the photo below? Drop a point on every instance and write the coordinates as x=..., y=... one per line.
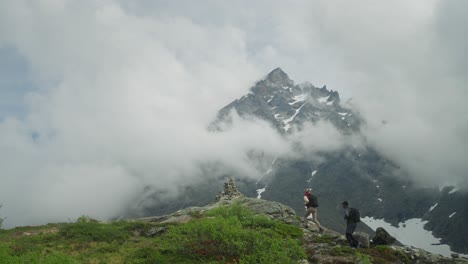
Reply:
x=311, y=204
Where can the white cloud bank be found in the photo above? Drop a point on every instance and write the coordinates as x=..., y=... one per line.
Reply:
x=126, y=91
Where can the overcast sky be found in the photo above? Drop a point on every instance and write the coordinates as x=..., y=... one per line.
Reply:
x=100, y=98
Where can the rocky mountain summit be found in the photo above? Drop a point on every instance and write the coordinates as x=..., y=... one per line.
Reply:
x=277, y=100
x=326, y=247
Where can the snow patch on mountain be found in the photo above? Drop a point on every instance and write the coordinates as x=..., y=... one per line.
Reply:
x=260, y=191
x=269, y=170
x=454, y=190
x=433, y=207
x=450, y=216
x=412, y=233
x=312, y=175
x=287, y=122
x=323, y=99
x=299, y=98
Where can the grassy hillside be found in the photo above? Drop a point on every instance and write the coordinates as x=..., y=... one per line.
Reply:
x=232, y=233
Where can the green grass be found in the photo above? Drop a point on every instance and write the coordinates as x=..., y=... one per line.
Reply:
x=323, y=239
x=382, y=254
x=230, y=234
x=342, y=251
x=363, y=258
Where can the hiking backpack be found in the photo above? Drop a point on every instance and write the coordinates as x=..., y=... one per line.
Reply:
x=354, y=215
x=313, y=202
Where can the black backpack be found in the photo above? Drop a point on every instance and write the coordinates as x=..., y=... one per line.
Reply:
x=354, y=215
x=313, y=201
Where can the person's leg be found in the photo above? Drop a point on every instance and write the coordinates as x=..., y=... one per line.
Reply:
x=349, y=234
x=349, y=238
x=307, y=213
x=315, y=217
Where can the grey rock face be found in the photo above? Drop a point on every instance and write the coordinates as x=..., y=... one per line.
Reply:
x=231, y=195
x=448, y=218
x=272, y=209
x=382, y=237
x=278, y=78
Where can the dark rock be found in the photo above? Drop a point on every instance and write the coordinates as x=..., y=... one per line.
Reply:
x=155, y=231
x=382, y=237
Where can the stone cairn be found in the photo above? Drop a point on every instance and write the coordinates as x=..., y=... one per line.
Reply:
x=230, y=191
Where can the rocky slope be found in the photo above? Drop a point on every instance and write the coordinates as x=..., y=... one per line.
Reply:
x=326, y=247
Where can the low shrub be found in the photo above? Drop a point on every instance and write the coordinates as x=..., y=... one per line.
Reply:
x=34, y=257
x=91, y=231
x=236, y=234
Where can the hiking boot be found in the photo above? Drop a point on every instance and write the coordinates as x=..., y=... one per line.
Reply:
x=321, y=230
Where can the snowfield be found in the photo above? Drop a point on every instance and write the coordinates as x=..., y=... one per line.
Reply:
x=412, y=233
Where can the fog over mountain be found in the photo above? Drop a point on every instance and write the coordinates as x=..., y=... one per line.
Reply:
x=100, y=99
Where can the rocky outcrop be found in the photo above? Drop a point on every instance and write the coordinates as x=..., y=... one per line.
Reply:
x=382, y=237
x=229, y=195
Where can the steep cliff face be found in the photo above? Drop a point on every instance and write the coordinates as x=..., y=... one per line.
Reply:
x=447, y=218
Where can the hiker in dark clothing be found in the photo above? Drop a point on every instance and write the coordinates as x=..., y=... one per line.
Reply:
x=352, y=217
x=311, y=204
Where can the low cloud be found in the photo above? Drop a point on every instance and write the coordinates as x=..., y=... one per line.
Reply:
x=124, y=92
x=124, y=102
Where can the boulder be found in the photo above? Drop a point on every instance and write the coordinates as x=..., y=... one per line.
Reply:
x=382, y=237
x=158, y=230
x=271, y=209
x=363, y=238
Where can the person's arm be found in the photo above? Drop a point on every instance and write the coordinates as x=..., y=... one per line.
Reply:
x=346, y=214
x=306, y=200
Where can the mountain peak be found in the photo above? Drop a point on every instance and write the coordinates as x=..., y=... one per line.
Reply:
x=279, y=77
x=277, y=70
